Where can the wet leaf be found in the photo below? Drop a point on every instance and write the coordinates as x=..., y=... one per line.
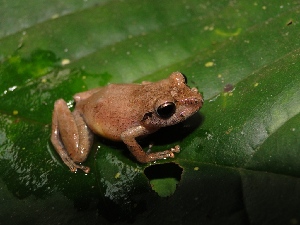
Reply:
x=239, y=154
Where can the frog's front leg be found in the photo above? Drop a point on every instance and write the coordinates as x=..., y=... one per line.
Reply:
x=71, y=137
x=128, y=138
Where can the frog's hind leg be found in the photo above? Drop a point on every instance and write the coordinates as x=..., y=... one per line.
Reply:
x=67, y=136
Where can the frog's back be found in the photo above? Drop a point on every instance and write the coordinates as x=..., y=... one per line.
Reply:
x=114, y=109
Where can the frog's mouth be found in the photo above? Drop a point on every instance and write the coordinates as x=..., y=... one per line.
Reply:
x=189, y=106
x=197, y=102
x=192, y=101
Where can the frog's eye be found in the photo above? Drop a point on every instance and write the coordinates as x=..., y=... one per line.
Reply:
x=166, y=110
x=185, y=78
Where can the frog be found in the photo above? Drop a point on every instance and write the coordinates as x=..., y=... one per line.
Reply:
x=122, y=113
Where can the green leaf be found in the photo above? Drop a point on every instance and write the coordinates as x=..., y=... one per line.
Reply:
x=164, y=178
x=239, y=155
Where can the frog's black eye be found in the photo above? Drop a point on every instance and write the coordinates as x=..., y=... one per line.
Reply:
x=185, y=78
x=166, y=110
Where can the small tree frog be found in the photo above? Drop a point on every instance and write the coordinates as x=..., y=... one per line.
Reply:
x=122, y=112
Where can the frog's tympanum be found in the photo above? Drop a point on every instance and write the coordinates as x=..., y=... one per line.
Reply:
x=122, y=112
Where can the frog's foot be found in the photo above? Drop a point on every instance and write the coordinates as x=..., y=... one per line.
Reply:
x=74, y=166
x=163, y=155
x=83, y=168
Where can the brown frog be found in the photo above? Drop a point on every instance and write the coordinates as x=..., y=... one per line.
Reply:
x=122, y=112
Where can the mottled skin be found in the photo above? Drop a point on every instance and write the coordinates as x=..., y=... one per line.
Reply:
x=122, y=112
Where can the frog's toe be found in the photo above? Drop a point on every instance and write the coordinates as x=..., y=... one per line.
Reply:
x=74, y=167
x=86, y=169
x=176, y=149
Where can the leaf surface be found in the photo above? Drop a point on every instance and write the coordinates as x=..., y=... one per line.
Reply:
x=239, y=154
